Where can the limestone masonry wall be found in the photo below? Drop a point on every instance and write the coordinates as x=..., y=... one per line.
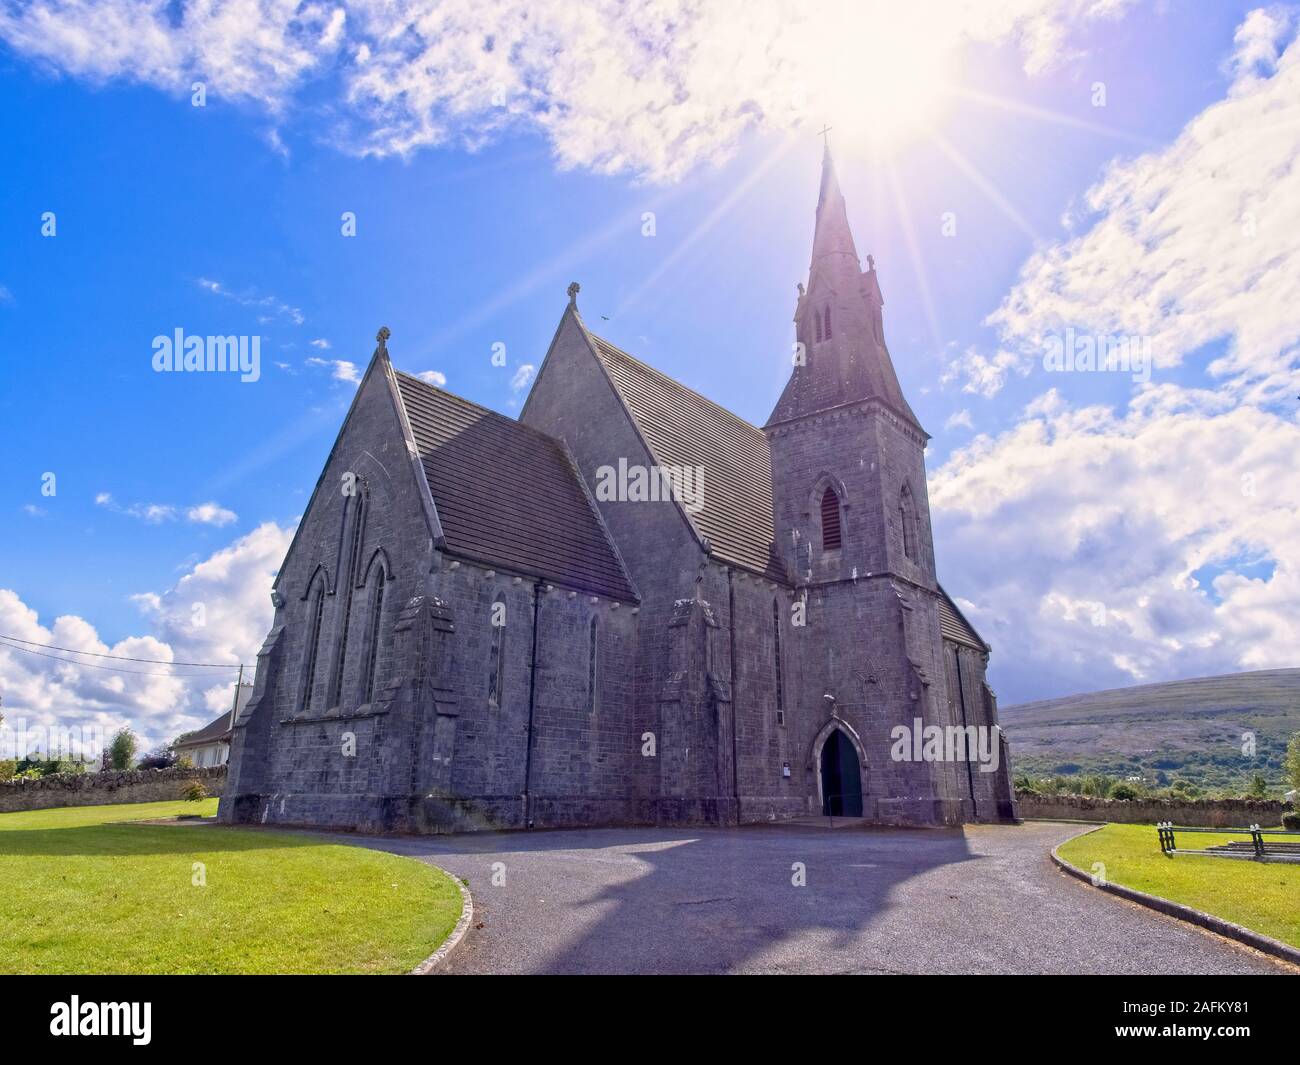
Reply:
x=101, y=789
x=1204, y=813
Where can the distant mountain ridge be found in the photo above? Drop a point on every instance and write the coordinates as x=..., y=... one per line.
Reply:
x=1197, y=729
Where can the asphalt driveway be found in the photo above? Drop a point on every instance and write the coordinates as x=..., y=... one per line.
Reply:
x=984, y=899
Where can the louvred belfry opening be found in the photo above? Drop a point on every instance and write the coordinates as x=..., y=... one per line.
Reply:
x=831, y=538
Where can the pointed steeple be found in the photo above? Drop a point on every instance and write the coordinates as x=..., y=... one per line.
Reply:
x=833, y=247
x=839, y=321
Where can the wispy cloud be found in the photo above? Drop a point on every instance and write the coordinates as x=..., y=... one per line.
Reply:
x=1190, y=245
x=1160, y=538
x=156, y=513
x=211, y=514
x=268, y=307
x=522, y=376
x=644, y=88
x=341, y=369
x=433, y=377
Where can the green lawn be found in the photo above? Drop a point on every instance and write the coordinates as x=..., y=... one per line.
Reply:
x=1263, y=897
x=80, y=892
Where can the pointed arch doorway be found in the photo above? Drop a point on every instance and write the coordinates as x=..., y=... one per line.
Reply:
x=841, y=777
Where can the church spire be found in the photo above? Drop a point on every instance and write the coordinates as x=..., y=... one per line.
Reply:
x=839, y=324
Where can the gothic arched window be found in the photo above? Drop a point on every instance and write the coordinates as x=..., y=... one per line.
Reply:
x=907, y=518
x=832, y=538
x=372, y=641
x=817, y=325
x=315, y=611
x=354, y=511
x=593, y=673
x=776, y=658
x=826, y=328
x=496, y=678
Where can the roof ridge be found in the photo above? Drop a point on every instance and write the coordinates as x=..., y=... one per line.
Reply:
x=672, y=380
x=477, y=406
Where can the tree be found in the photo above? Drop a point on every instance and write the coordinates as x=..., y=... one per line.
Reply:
x=162, y=758
x=121, y=752
x=1292, y=763
x=1258, y=787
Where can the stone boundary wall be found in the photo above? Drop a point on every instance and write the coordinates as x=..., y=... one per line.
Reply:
x=1202, y=813
x=101, y=789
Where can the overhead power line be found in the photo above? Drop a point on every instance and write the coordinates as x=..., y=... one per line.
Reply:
x=96, y=665
x=122, y=658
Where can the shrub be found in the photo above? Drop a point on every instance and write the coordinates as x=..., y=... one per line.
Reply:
x=121, y=752
x=162, y=758
x=194, y=791
x=1123, y=791
x=8, y=767
x=1291, y=820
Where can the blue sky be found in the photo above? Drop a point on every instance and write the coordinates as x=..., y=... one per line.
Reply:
x=472, y=217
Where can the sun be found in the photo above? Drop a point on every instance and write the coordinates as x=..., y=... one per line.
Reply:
x=881, y=90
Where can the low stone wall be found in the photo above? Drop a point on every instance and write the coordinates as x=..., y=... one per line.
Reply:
x=101, y=789
x=1203, y=813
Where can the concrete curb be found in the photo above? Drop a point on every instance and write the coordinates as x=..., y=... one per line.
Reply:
x=457, y=934
x=1227, y=929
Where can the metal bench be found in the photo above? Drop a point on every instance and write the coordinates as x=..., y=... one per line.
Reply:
x=1257, y=848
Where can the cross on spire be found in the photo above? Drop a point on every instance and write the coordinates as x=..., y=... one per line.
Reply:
x=823, y=134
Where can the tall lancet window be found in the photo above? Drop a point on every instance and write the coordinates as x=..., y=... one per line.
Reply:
x=776, y=656
x=593, y=667
x=497, y=665
x=832, y=535
x=817, y=326
x=907, y=518
x=354, y=511
x=372, y=641
x=826, y=328
x=315, y=612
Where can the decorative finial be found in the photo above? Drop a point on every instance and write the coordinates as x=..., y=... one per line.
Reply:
x=823, y=134
x=799, y=286
x=871, y=262
x=574, y=288
x=382, y=336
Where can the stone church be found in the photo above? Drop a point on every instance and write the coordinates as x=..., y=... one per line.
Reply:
x=629, y=606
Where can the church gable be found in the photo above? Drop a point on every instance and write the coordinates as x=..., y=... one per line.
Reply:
x=369, y=464
x=509, y=495
x=728, y=460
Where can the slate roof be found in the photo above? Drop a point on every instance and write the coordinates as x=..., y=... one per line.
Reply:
x=682, y=428
x=954, y=626
x=218, y=729
x=509, y=495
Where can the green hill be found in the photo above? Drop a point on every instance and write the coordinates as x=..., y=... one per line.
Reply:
x=1192, y=730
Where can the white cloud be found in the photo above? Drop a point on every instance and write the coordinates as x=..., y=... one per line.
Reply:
x=153, y=513
x=959, y=419
x=1192, y=245
x=341, y=369
x=271, y=307
x=1173, y=521
x=211, y=514
x=321, y=343
x=433, y=377
x=1102, y=509
x=157, y=701
x=34, y=511
x=521, y=377
x=644, y=86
